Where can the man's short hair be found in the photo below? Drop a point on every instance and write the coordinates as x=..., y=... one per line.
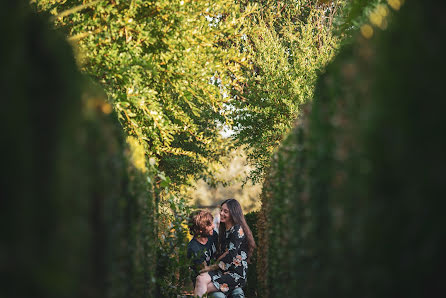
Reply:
x=198, y=221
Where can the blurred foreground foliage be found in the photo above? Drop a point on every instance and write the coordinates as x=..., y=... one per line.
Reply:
x=353, y=203
x=84, y=212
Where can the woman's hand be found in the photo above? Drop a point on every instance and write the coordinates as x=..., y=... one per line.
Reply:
x=209, y=268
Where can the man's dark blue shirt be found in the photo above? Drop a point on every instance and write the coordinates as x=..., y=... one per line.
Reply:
x=199, y=253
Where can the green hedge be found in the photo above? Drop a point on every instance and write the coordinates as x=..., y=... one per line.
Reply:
x=77, y=211
x=251, y=288
x=354, y=201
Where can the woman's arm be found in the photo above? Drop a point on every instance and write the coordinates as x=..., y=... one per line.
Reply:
x=222, y=256
x=214, y=266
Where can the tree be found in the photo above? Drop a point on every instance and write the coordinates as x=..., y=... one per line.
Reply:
x=289, y=42
x=165, y=66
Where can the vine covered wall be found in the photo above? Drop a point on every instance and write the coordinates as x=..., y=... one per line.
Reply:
x=353, y=203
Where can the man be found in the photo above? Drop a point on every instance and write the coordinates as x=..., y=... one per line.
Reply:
x=203, y=247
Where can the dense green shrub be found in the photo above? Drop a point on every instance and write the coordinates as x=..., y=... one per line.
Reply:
x=77, y=212
x=251, y=289
x=43, y=220
x=353, y=205
x=172, y=272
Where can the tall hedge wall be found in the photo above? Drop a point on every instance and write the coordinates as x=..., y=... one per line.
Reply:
x=354, y=202
x=251, y=288
x=76, y=210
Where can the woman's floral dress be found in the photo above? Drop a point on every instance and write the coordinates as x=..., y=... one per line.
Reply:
x=233, y=266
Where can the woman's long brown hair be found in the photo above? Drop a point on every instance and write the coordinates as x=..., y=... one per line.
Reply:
x=235, y=210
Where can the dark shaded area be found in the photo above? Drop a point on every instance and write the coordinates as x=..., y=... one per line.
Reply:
x=76, y=215
x=354, y=203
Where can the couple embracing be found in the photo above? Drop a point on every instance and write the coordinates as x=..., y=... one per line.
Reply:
x=220, y=261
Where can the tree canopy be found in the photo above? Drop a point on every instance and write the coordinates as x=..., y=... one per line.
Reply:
x=178, y=72
x=165, y=65
x=289, y=42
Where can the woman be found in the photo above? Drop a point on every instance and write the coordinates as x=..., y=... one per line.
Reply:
x=236, y=244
